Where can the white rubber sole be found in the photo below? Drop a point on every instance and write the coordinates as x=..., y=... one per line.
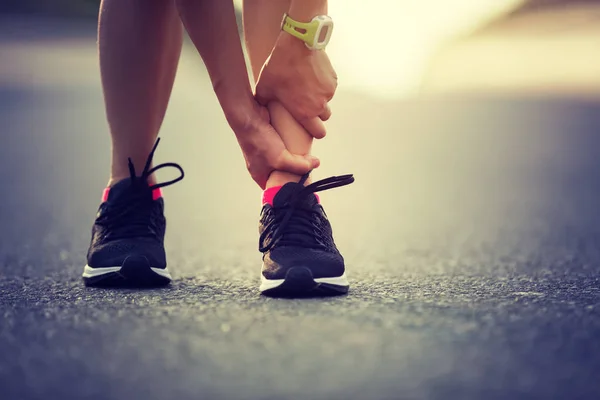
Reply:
x=269, y=284
x=89, y=272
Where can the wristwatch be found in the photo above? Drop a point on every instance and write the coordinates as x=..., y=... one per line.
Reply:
x=315, y=34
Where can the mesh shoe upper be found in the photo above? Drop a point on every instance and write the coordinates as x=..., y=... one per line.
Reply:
x=131, y=221
x=295, y=231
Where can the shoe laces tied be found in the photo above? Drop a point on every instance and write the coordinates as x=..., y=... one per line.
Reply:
x=135, y=214
x=295, y=224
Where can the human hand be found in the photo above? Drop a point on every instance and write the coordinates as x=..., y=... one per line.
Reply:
x=263, y=148
x=303, y=80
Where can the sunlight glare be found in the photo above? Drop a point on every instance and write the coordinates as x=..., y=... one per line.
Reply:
x=383, y=46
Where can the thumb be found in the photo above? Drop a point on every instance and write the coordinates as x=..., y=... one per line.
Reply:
x=297, y=164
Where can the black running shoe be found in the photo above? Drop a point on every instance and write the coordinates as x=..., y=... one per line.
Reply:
x=299, y=255
x=127, y=247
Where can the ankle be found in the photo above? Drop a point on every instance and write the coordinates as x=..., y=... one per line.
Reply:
x=119, y=169
x=280, y=178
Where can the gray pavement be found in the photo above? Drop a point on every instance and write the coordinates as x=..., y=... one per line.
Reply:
x=472, y=239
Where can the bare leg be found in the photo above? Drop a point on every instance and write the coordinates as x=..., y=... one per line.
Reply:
x=139, y=43
x=262, y=25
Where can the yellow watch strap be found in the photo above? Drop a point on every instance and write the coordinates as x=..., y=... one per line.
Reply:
x=291, y=26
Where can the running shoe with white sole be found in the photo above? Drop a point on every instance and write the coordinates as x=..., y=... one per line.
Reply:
x=300, y=257
x=127, y=246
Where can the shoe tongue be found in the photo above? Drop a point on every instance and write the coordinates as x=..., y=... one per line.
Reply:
x=287, y=191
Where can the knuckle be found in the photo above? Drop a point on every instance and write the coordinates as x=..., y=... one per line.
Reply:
x=316, y=108
x=324, y=105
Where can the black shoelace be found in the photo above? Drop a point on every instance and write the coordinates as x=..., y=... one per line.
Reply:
x=136, y=215
x=294, y=225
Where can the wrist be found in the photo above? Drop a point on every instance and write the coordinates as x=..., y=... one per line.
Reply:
x=290, y=48
x=305, y=10
x=231, y=90
x=308, y=22
x=243, y=116
x=236, y=103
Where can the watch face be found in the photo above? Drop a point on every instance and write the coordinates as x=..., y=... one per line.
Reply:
x=323, y=34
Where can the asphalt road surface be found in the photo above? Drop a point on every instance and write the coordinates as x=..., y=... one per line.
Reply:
x=471, y=234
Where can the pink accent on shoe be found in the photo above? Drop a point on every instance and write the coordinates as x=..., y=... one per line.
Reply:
x=156, y=194
x=269, y=195
x=105, y=194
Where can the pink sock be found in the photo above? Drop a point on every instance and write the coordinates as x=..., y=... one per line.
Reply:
x=269, y=195
x=156, y=194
